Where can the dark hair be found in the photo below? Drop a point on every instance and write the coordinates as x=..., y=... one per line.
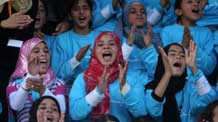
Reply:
x=106, y=118
x=75, y=2
x=34, y=108
x=208, y=115
x=177, y=5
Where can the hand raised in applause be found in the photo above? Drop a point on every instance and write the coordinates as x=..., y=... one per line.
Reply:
x=103, y=80
x=122, y=74
x=82, y=52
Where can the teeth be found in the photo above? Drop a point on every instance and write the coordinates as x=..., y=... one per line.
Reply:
x=82, y=17
x=195, y=10
x=107, y=54
x=43, y=61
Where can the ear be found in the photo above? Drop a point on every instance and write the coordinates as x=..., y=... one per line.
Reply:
x=178, y=12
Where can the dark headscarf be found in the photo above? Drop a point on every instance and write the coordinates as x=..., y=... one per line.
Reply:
x=176, y=84
x=34, y=108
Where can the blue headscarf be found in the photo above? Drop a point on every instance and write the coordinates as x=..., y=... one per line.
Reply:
x=139, y=40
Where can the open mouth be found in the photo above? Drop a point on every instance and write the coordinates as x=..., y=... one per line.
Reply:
x=49, y=118
x=82, y=18
x=196, y=10
x=177, y=64
x=107, y=55
x=43, y=61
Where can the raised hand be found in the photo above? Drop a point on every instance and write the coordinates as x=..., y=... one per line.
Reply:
x=165, y=3
x=131, y=35
x=168, y=69
x=34, y=66
x=82, y=52
x=103, y=80
x=162, y=85
x=17, y=21
x=61, y=27
x=37, y=85
x=122, y=74
x=147, y=37
x=186, y=38
x=190, y=56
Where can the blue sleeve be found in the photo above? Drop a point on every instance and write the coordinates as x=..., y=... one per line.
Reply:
x=79, y=108
x=61, y=59
x=134, y=99
x=206, y=59
x=149, y=57
x=50, y=41
x=153, y=106
x=102, y=14
x=169, y=17
x=199, y=102
x=139, y=102
x=165, y=36
x=216, y=41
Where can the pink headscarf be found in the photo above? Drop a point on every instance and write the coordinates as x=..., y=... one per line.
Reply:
x=96, y=69
x=23, y=59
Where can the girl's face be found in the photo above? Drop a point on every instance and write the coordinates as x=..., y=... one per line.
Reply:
x=81, y=14
x=215, y=114
x=106, y=50
x=176, y=58
x=40, y=17
x=41, y=52
x=189, y=11
x=136, y=15
x=48, y=111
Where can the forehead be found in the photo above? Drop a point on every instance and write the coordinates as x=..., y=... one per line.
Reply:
x=81, y=3
x=175, y=48
x=106, y=38
x=191, y=0
x=136, y=5
x=40, y=44
x=47, y=101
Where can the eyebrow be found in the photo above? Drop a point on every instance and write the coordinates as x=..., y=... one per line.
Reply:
x=44, y=104
x=172, y=50
x=108, y=41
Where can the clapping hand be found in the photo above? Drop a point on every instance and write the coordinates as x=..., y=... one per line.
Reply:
x=61, y=27
x=186, y=38
x=17, y=21
x=35, y=84
x=103, y=80
x=82, y=52
x=34, y=66
x=122, y=74
x=131, y=35
x=165, y=3
x=190, y=56
x=147, y=37
x=168, y=69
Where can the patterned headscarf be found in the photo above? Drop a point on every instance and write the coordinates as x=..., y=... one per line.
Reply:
x=95, y=70
x=23, y=60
